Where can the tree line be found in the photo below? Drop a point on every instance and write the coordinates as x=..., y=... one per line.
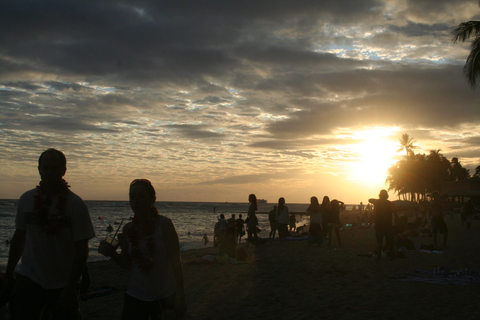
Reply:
x=417, y=175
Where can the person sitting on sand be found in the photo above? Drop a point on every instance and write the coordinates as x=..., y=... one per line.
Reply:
x=151, y=250
x=282, y=219
x=315, y=229
x=383, y=210
x=334, y=221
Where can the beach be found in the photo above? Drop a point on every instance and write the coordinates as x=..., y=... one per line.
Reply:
x=292, y=280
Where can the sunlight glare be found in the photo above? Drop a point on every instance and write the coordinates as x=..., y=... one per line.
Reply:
x=375, y=153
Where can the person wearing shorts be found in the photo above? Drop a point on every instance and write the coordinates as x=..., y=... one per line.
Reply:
x=384, y=211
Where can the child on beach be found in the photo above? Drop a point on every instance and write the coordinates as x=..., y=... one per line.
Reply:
x=205, y=239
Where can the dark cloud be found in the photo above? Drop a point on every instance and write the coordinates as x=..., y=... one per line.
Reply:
x=195, y=132
x=254, y=83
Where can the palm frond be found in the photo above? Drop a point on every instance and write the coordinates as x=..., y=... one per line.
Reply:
x=464, y=31
x=472, y=65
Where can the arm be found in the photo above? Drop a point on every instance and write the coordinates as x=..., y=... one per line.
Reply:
x=123, y=258
x=16, y=250
x=175, y=260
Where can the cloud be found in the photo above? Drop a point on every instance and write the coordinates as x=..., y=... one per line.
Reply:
x=195, y=91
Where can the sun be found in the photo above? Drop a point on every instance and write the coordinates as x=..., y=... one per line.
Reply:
x=375, y=152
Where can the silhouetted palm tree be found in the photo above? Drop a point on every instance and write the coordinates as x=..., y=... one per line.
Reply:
x=463, y=32
x=406, y=144
x=457, y=172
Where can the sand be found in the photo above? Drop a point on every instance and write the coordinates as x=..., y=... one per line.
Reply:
x=294, y=281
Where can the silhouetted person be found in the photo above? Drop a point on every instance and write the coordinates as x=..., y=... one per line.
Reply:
x=334, y=221
x=325, y=212
x=240, y=228
x=252, y=218
x=272, y=219
x=151, y=251
x=53, y=227
x=282, y=219
x=292, y=223
x=315, y=229
x=383, y=210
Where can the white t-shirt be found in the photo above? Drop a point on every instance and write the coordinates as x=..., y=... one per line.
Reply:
x=47, y=259
x=282, y=215
x=159, y=282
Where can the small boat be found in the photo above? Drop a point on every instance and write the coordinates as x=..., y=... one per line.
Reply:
x=261, y=201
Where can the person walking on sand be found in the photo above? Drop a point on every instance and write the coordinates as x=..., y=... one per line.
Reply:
x=438, y=222
x=384, y=211
x=150, y=250
x=252, y=219
x=334, y=221
x=282, y=219
x=315, y=229
x=53, y=228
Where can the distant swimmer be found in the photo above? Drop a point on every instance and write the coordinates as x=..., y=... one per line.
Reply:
x=205, y=239
x=109, y=228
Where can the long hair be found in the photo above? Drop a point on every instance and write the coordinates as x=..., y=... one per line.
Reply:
x=313, y=204
x=147, y=184
x=325, y=202
x=281, y=205
x=253, y=200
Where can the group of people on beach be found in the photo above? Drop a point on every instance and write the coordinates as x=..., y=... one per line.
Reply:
x=324, y=220
x=52, y=230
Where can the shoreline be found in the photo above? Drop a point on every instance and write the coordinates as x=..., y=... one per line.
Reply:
x=292, y=280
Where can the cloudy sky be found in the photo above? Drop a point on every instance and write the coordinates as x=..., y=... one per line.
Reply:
x=213, y=100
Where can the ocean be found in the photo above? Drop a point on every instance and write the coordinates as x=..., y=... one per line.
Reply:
x=191, y=220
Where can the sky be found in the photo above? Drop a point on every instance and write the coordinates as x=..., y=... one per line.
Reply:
x=214, y=100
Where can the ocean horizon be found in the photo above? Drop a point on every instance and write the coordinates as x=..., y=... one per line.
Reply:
x=191, y=220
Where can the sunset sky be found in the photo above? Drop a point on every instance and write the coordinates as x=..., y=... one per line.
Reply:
x=213, y=100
